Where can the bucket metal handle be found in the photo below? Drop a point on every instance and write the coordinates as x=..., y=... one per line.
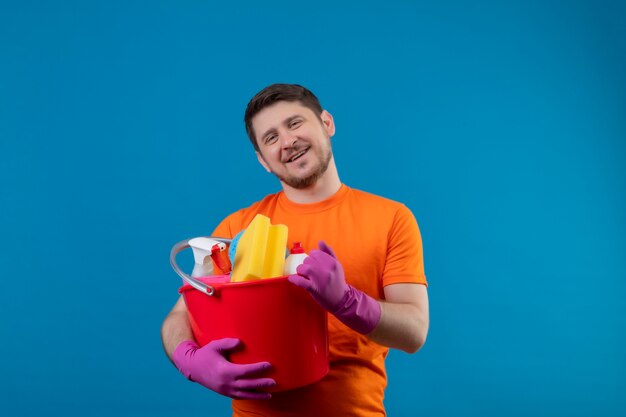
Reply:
x=197, y=284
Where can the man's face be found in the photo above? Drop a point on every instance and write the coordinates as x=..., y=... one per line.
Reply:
x=294, y=143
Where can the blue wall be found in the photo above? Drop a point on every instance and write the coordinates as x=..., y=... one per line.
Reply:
x=502, y=125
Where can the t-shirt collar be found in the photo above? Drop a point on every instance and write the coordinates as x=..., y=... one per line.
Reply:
x=326, y=204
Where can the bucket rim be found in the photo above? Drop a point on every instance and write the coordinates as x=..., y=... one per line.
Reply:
x=233, y=285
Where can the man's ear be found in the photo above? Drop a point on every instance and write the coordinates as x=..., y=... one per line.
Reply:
x=262, y=161
x=328, y=122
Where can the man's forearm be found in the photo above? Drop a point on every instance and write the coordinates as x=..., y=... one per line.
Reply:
x=401, y=327
x=175, y=329
x=404, y=318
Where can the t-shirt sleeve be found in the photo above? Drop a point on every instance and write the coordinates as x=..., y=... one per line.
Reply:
x=226, y=227
x=405, y=260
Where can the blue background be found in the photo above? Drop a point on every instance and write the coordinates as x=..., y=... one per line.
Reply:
x=502, y=125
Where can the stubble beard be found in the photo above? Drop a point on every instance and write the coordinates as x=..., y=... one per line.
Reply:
x=324, y=157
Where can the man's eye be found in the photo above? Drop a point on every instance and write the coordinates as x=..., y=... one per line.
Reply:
x=270, y=139
x=295, y=123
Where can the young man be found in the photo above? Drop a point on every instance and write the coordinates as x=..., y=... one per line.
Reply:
x=365, y=268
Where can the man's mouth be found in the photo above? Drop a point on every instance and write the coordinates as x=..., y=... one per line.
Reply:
x=298, y=154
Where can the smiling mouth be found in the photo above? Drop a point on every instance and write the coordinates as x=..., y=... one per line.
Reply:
x=297, y=155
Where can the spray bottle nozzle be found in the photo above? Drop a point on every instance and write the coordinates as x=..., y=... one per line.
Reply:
x=204, y=248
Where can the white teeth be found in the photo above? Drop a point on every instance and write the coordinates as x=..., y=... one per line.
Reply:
x=298, y=155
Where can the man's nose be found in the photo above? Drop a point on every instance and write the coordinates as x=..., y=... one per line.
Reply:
x=288, y=140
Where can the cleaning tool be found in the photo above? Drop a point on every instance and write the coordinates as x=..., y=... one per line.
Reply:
x=321, y=274
x=275, y=321
x=260, y=251
x=295, y=258
x=206, y=285
x=207, y=252
x=232, y=248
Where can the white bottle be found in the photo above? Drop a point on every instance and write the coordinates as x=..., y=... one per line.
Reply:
x=295, y=258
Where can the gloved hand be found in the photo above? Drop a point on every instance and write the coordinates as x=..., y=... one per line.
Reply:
x=208, y=367
x=322, y=276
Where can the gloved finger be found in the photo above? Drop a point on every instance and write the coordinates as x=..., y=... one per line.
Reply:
x=316, y=256
x=250, y=395
x=327, y=249
x=224, y=345
x=311, y=258
x=300, y=281
x=255, y=384
x=251, y=369
x=306, y=270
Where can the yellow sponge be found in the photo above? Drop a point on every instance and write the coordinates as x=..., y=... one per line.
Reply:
x=260, y=251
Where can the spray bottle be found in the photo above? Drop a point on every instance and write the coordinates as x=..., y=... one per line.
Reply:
x=205, y=248
x=295, y=258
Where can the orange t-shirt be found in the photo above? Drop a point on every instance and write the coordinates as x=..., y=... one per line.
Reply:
x=378, y=243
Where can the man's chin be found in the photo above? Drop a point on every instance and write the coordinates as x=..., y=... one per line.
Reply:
x=303, y=182
x=300, y=183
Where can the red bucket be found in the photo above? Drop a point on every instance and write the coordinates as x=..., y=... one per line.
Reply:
x=276, y=321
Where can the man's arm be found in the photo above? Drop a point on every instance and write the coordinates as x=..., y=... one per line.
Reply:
x=404, y=318
x=176, y=327
x=400, y=322
x=207, y=365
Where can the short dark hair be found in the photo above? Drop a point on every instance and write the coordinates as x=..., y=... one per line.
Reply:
x=273, y=94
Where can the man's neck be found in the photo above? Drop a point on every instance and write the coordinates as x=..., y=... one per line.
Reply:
x=325, y=187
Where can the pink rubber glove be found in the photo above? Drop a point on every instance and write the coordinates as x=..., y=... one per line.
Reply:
x=322, y=276
x=208, y=367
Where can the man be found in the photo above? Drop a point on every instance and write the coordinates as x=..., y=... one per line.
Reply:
x=364, y=267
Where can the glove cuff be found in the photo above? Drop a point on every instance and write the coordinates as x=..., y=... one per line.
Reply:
x=183, y=352
x=359, y=311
